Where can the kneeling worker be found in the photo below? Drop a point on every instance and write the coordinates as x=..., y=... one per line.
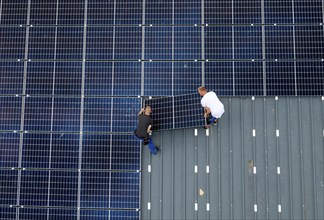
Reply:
x=143, y=130
x=213, y=108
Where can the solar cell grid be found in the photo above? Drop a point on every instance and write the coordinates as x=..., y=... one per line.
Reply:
x=7, y=213
x=43, y=13
x=9, y=150
x=186, y=76
x=8, y=187
x=100, y=43
x=71, y=12
x=10, y=113
x=127, y=79
x=12, y=43
x=128, y=43
x=129, y=12
x=159, y=12
x=218, y=42
x=40, y=78
x=187, y=12
x=158, y=78
x=11, y=78
x=100, y=12
x=69, y=43
x=187, y=43
x=13, y=12
x=41, y=45
x=158, y=43
x=247, y=42
x=278, y=12
x=218, y=12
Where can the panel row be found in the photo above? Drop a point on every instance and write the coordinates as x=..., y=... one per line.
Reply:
x=159, y=79
x=176, y=112
x=162, y=43
x=53, y=12
x=62, y=151
x=60, y=189
x=66, y=214
x=63, y=114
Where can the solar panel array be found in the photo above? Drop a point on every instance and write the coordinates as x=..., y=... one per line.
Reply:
x=71, y=72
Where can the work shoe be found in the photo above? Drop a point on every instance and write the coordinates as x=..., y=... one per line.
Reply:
x=216, y=121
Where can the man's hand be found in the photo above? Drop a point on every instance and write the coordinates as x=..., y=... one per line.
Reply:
x=142, y=110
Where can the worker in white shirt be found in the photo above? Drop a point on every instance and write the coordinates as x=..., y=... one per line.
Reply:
x=213, y=108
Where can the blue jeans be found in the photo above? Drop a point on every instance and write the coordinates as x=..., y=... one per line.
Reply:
x=210, y=119
x=151, y=145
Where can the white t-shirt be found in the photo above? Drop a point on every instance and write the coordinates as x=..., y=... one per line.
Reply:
x=211, y=100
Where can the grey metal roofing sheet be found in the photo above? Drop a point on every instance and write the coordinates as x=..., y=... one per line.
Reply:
x=232, y=174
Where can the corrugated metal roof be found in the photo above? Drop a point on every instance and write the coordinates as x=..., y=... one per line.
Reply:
x=263, y=160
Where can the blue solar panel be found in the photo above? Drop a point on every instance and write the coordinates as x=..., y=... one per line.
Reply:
x=7, y=213
x=129, y=12
x=247, y=42
x=63, y=189
x=279, y=42
x=100, y=43
x=63, y=214
x=308, y=11
x=218, y=42
x=43, y=13
x=127, y=79
x=219, y=78
x=9, y=145
x=71, y=12
x=13, y=12
x=8, y=189
x=11, y=78
x=69, y=43
x=98, y=78
x=41, y=43
x=162, y=113
x=158, y=78
x=158, y=43
x=278, y=12
x=12, y=42
x=10, y=113
x=247, y=12
x=128, y=43
x=38, y=111
x=187, y=43
x=158, y=12
x=187, y=12
x=100, y=12
x=114, y=214
x=68, y=78
x=187, y=77
x=40, y=78
x=32, y=213
x=218, y=12
x=34, y=188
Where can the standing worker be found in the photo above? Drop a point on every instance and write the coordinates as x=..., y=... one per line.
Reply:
x=143, y=130
x=213, y=108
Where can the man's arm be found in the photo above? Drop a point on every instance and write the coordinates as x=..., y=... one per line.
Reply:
x=207, y=111
x=149, y=129
x=142, y=110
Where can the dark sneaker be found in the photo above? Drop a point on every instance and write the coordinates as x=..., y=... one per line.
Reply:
x=157, y=149
x=206, y=127
x=216, y=121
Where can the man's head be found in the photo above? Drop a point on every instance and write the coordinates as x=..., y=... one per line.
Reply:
x=202, y=90
x=148, y=110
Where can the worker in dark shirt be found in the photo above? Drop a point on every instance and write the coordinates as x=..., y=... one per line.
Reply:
x=143, y=130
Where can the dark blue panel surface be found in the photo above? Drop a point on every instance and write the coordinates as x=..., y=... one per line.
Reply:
x=38, y=113
x=187, y=43
x=310, y=80
x=62, y=214
x=12, y=42
x=218, y=42
x=94, y=214
x=36, y=151
x=158, y=79
x=129, y=12
x=96, y=151
x=100, y=12
x=158, y=43
x=218, y=12
x=65, y=151
x=63, y=189
x=280, y=78
x=124, y=215
x=9, y=145
x=41, y=43
x=69, y=43
x=98, y=78
x=247, y=42
x=34, y=188
x=11, y=78
x=10, y=113
x=43, y=12
x=8, y=213
x=128, y=43
x=162, y=113
x=100, y=43
x=187, y=77
x=127, y=78
x=71, y=12
x=126, y=153
x=13, y=12
x=125, y=114
x=40, y=78
x=219, y=77
x=95, y=189
x=66, y=114
x=8, y=189
x=32, y=213
x=187, y=12
x=158, y=12
x=248, y=77
x=308, y=11
x=279, y=42
x=247, y=12
x=97, y=114
x=188, y=111
x=278, y=12
x=68, y=78
x=125, y=190
x=309, y=42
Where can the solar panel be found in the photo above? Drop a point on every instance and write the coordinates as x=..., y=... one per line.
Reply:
x=99, y=43
x=7, y=213
x=10, y=113
x=278, y=12
x=8, y=187
x=114, y=214
x=9, y=150
x=186, y=77
x=13, y=12
x=100, y=12
x=218, y=42
x=12, y=43
x=219, y=77
x=43, y=13
x=40, y=78
x=11, y=78
x=41, y=45
x=308, y=12
x=181, y=111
